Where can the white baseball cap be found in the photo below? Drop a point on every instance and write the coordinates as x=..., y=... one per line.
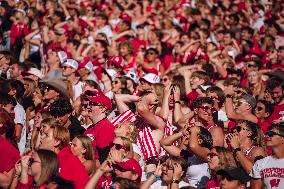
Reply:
x=132, y=75
x=35, y=72
x=62, y=56
x=151, y=78
x=111, y=73
x=72, y=63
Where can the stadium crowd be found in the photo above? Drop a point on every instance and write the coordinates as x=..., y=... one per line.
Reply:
x=128, y=94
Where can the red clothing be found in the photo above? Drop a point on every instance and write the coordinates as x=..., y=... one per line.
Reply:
x=212, y=184
x=104, y=182
x=9, y=155
x=29, y=185
x=102, y=134
x=278, y=112
x=192, y=96
x=18, y=31
x=264, y=125
x=70, y=168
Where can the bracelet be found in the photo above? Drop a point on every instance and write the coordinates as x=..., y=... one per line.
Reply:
x=236, y=150
x=229, y=96
x=177, y=102
x=175, y=181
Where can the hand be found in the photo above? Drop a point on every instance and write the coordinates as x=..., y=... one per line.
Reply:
x=176, y=91
x=234, y=140
x=177, y=171
x=195, y=129
x=115, y=156
x=18, y=168
x=25, y=161
x=158, y=171
x=106, y=166
x=167, y=91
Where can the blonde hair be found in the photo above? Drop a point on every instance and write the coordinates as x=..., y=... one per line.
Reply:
x=87, y=145
x=61, y=134
x=31, y=86
x=226, y=158
x=128, y=145
x=132, y=129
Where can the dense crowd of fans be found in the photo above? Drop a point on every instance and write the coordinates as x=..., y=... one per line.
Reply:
x=127, y=94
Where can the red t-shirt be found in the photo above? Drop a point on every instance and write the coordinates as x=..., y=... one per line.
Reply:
x=278, y=112
x=9, y=155
x=102, y=134
x=70, y=168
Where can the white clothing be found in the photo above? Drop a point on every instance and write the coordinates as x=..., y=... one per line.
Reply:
x=158, y=185
x=77, y=89
x=20, y=118
x=197, y=172
x=106, y=30
x=271, y=171
x=137, y=150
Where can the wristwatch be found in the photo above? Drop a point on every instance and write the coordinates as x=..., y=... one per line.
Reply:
x=236, y=150
x=175, y=181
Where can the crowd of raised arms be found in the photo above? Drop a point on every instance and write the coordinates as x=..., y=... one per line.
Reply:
x=148, y=94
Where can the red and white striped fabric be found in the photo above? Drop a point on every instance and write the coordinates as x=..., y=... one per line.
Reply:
x=145, y=139
x=168, y=131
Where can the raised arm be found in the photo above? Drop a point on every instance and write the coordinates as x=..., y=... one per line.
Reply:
x=167, y=144
x=164, y=112
x=156, y=121
x=123, y=99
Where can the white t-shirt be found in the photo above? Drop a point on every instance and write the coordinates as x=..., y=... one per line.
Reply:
x=137, y=150
x=271, y=171
x=20, y=118
x=77, y=89
x=197, y=172
x=158, y=185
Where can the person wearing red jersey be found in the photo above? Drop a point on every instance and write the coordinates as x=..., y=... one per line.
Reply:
x=97, y=106
x=70, y=168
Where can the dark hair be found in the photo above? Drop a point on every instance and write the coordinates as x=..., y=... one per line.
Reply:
x=209, y=69
x=104, y=44
x=202, y=100
x=60, y=107
x=19, y=87
x=206, y=136
x=273, y=83
x=278, y=126
x=126, y=183
x=220, y=93
x=60, y=15
x=269, y=108
x=61, y=183
x=7, y=99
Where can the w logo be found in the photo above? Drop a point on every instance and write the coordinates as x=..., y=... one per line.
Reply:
x=274, y=183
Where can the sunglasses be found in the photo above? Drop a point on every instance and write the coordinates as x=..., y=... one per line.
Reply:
x=258, y=108
x=151, y=53
x=85, y=105
x=205, y=108
x=213, y=97
x=211, y=154
x=272, y=133
x=238, y=129
x=117, y=146
x=32, y=161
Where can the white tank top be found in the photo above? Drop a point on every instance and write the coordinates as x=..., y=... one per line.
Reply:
x=197, y=172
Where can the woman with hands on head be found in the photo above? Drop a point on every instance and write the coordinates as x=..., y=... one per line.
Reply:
x=247, y=143
x=196, y=144
x=170, y=174
x=36, y=169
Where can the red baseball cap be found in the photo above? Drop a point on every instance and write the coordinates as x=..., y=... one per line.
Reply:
x=130, y=164
x=117, y=61
x=98, y=97
x=86, y=63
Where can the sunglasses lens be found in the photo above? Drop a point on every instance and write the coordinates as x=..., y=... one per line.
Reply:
x=259, y=108
x=238, y=129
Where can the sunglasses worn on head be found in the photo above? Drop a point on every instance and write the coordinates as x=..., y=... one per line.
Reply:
x=211, y=154
x=117, y=146
x=272, y=133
